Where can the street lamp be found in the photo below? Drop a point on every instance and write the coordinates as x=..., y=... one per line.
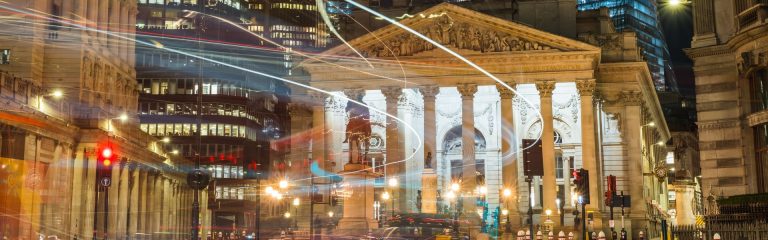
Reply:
x=507, y=193
x=296, y=202
x=393, y=182
x=451, y=196
x=283, y=184
x=385, y=196
x=548, y=224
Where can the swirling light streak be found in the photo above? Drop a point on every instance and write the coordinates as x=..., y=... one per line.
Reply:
x=327, y=21
x=449, y=51
x=342, y=96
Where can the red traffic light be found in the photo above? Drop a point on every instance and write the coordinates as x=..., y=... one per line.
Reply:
x=106, y=152
x=106, y=162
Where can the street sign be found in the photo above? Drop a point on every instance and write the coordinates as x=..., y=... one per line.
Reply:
x=611, y=223
x=533, y=158
x=105, y=182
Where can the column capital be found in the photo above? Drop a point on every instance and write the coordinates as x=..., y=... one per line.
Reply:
x=467, y=90
x=586, y=87
x=632, y=98
x=429, y=91
x=504, y=92
x=317, y=98
x=392, y=93
x=545, y=88
x=356, y=94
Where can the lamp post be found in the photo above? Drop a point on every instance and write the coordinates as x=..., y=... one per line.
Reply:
x=548, y=224
x=385, y=196
x=507, y=194
x=296, y=202
x=451, y=196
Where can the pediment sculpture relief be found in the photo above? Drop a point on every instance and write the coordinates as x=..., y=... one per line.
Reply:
x=458, y=35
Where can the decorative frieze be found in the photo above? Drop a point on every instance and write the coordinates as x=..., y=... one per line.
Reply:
x=719, y=124
x=461, y=35
x=632, y=98
x=757, y=118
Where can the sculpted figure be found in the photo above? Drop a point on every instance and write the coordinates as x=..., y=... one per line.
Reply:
x=358, y=132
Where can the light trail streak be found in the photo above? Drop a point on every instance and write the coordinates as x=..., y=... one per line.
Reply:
x=327, y=21
x=333, y=94
x=287, y=48
x=449, y=51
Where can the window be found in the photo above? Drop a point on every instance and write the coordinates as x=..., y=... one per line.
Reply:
x=759, y=91
x=5, y=56
x=559, y=166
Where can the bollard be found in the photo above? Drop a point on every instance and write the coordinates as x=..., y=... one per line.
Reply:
x=539, y=236
x=521, y=235
x=716, y=236
x=550, y=236
x=641, y=236
x=528, y=235
x=282, y=235
x=561, y=236
x=601, y=235
x=570, y=236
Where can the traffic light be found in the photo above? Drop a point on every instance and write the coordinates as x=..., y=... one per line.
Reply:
x=611, y=191
x=105, y=157
x=581, y=180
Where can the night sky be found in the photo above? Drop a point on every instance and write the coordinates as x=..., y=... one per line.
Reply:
x=677, y=25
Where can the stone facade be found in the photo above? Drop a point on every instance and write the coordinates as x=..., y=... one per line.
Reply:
x=728, y=66
x=590, y=103
x=69, y=77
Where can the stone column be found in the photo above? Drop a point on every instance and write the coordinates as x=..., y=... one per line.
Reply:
x=134, y=202
x=319, y=128
x=394, y=147
x=122, y=30
x=93, y=15
x=114, y=198
x=468, y=176
x=131, y=34
x=113, y=26
x=158, y=210
x=149, y=217
x=632, y=127
x=548, y=147
x=429, y=93
x=429, y=177
x=589, y=160
x=508, y=152
x=166, y=202
x=122, y=205
x=102, y=21
x=142, y=210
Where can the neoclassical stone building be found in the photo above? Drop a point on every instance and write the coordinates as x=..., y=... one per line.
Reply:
x=63, y=90
x=595, y=97
x=729, y=65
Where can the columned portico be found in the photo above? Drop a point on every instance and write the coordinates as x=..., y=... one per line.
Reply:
x=476, y=142
x=545, y=89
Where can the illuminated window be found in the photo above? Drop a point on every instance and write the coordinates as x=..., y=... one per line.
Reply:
x=5, y=56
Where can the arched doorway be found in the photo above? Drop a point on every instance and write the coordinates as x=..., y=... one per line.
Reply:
x=452, y=159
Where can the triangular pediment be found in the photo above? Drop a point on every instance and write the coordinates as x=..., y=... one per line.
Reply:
x=460, y=29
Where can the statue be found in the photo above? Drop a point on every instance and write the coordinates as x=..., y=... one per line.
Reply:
x=358, y=133
x=428, y=160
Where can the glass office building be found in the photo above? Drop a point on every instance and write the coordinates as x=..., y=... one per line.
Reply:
x=642, y=17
